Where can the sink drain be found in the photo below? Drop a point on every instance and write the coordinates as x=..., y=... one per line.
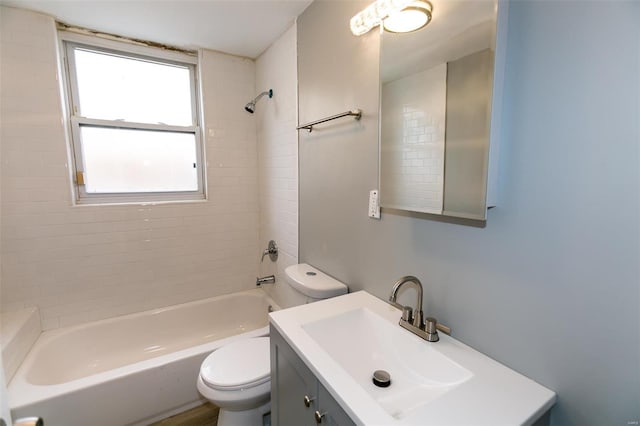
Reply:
x=381, y=378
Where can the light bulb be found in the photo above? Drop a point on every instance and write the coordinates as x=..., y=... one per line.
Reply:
x=412, y=18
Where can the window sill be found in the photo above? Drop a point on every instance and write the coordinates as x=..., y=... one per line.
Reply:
x=136, y=203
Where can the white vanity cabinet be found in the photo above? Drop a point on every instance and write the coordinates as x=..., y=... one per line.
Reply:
x=297, y=397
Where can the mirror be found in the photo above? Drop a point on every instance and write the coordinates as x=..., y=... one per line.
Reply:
x=437, y=96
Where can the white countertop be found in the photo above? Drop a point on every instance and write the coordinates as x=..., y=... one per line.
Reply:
x=493, y=395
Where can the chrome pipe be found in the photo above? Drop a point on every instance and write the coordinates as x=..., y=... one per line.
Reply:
x=269, y=279
x=356, y=113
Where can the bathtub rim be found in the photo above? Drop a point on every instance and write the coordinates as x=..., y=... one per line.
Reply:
x=22, y=393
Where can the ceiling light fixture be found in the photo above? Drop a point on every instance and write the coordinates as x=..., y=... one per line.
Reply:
x=398, y=12
x=413, y=17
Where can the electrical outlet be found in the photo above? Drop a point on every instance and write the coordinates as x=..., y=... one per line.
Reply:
x=374, y=207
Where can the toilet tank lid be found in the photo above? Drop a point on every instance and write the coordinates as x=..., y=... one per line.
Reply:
x=312, y=282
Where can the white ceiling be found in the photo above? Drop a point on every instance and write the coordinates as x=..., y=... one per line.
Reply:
x=240, y=27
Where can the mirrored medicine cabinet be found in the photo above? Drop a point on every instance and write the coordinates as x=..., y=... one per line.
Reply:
x=441, y=91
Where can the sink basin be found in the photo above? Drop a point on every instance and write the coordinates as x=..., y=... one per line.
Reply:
x=344, y=340
x=419, y=373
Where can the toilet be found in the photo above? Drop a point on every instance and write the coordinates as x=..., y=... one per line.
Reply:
x=237, y=377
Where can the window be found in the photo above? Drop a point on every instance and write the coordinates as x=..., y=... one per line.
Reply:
x=134, y=123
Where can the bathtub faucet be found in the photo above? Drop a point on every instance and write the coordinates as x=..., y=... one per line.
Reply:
x=269, y=279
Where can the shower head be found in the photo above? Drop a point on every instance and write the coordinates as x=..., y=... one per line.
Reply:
x=251, y=106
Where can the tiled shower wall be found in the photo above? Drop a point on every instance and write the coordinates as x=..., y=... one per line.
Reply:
x=276, y=68
x=413, y=123
x=81, y=263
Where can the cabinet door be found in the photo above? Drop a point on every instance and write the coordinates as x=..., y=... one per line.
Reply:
x=332, y=413
x=291, y=382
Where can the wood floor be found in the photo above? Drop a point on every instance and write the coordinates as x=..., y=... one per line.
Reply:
x=204, y=415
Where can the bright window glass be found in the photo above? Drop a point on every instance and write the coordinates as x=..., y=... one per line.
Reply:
x=134, y=121
x=113, y=87
x=123, y=160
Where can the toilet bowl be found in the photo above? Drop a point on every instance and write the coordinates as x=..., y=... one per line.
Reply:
x=236, y=377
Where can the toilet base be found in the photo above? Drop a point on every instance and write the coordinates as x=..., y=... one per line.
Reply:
x=243, y=418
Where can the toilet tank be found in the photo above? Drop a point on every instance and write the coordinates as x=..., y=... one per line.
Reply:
x=312, y=283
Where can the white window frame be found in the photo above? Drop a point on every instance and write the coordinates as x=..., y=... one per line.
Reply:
x=69, y=41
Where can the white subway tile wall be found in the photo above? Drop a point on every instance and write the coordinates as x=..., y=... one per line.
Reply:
x=277, y=119
x=82, y=263
x=413, y=133
x=19, y=331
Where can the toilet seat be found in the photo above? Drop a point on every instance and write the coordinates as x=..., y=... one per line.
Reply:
x=238, y=365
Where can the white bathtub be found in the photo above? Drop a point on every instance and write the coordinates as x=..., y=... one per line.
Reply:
x=133, y=369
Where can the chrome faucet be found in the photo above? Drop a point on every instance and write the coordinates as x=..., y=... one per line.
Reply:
x=269, y=279
x=416, y=316
x=412, y=320
x=271, y=250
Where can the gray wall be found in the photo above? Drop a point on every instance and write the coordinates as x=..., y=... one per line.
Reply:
x=551, y=286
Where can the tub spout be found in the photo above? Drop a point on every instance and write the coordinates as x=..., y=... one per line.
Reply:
x=269, y=279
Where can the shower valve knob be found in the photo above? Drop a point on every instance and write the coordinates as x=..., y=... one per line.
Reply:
x=271, y=250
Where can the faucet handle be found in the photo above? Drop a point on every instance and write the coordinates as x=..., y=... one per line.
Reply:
x=430, y=325
x=430, y=328
x=407, y=314
x=271, y=250
x=443, y=328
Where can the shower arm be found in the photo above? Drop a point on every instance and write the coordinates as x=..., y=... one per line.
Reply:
x=267, y=92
